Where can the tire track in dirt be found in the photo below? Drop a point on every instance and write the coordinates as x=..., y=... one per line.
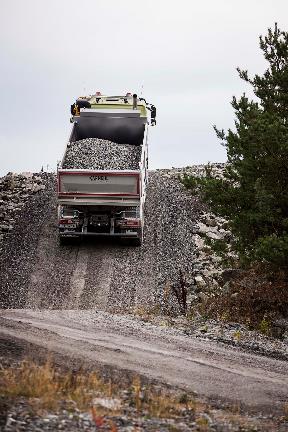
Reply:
x=98, y=276
x=51, y=275
x=77, y=281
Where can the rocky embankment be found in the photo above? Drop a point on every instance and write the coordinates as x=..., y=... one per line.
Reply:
x=174, y=268
x=25, y=201
x=193, y=270
x=15, y=191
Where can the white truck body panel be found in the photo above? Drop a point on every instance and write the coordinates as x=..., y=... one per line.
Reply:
x=98, y=183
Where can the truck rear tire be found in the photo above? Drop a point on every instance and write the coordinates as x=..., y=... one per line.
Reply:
x=126, y=241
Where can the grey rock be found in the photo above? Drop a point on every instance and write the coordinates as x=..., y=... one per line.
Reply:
x=26, y=175
x=226, y=288
x=214, y=235
x=38, y=188
x=200, y=282
x=211, y=222
x=5, y=228
x=203, y=297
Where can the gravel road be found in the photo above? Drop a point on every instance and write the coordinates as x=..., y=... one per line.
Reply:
x=164, y=354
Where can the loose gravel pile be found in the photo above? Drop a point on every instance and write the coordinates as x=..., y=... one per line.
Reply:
x=100, y=154
x=187, y=258
x=15, y=192
x=112, y=277
x=26, y=201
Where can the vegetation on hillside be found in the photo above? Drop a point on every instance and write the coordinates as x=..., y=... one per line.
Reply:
x=253, y=194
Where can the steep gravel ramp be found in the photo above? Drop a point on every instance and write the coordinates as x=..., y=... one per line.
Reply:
x=163, y=354
x=37, y=272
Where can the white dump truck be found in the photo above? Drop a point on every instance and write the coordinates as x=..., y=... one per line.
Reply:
x=102, y=177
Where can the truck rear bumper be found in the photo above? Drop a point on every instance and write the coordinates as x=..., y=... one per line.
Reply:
x=116, y=202
x=91, y=234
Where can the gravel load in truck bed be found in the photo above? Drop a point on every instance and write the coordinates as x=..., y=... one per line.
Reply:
x=100, y=154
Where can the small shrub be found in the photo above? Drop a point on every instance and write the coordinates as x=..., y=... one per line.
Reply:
x=203, y=424
x=189, y=182
x=237, y=335
x=265, y=326
x=183, y=399
x=261, y=292
x=180, y=292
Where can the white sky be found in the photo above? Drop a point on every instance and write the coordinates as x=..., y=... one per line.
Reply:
x=183, y=54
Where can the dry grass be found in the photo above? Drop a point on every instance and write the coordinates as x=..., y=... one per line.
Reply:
x=44, y=386
x=47, y=388
x=203, y=424
x=160, y=404
x=285, y=409
x=146, y=313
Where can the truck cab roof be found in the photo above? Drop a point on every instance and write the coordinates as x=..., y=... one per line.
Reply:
x=120, y=119
x=100, y=102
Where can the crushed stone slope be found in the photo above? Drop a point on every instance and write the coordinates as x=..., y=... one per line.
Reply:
x=37, y=272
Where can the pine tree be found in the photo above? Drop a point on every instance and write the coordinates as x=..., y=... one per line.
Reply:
x=253, y=194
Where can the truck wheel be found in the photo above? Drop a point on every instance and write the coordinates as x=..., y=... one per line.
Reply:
x=130, y=242
x=137, y=242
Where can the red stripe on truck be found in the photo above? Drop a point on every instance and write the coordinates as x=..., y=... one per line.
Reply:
x=96, y=194
x=110, y=173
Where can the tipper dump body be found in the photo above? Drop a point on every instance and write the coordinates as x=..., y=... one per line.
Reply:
x=102, y=178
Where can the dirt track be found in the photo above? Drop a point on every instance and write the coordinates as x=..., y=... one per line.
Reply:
x=207, y=368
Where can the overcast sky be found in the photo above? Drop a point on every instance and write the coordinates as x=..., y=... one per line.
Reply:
x=181, y=55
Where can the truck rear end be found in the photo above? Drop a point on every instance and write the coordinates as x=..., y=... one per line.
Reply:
x=102, y=178
x=100, y=203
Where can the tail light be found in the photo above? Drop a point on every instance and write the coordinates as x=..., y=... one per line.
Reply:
x=66, y=221
x=131, y=223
